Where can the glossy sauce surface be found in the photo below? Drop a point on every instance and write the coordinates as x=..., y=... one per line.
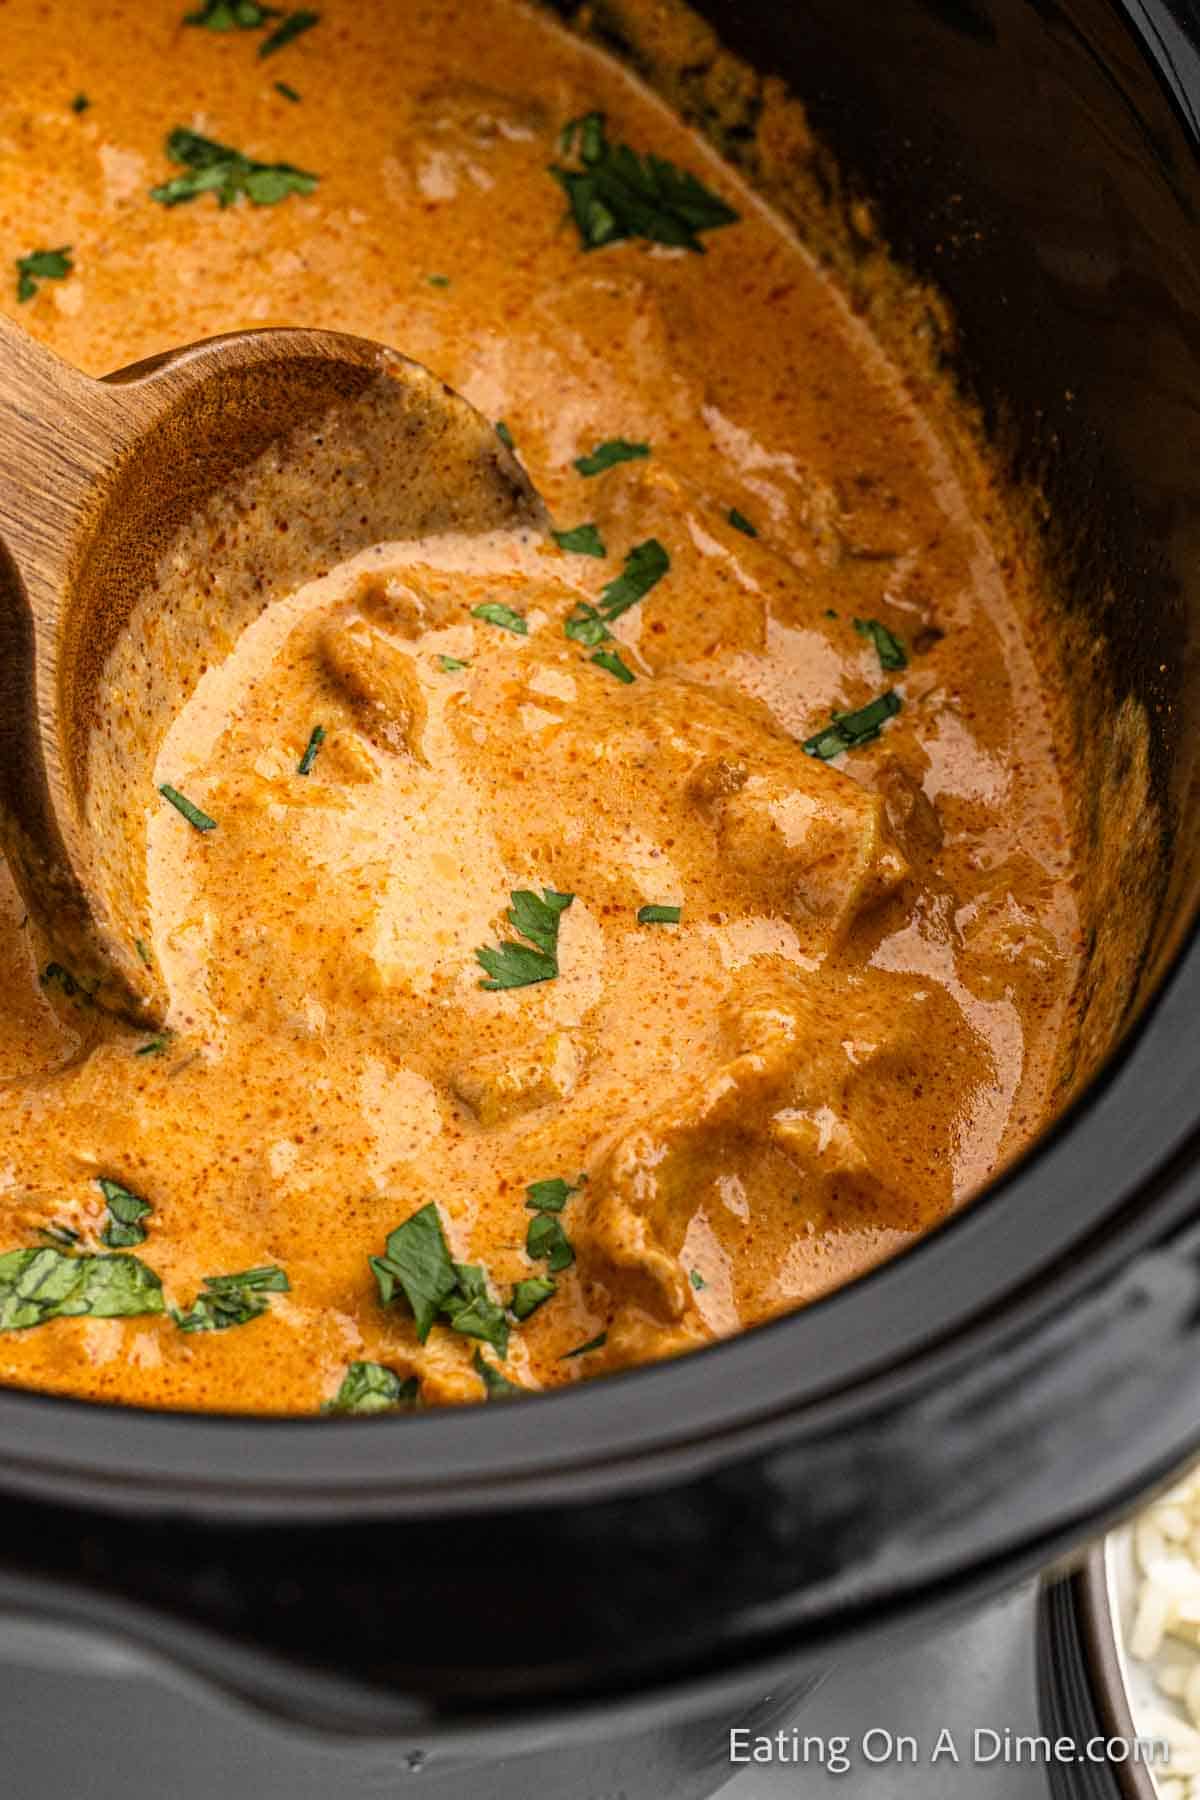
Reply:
x=861, y=1010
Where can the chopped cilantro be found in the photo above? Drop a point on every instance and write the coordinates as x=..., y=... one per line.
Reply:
x=505, y=435
x=519, y=965
x=417, y=1263
x=596, y=1343
x=440, y=281
x=153, y=1048
x=546, y=1238
x=183, y=805
x=368, y=1387
x=740, y=522
x=231, y=15
x=450, y=665
x=659, y=915
x=585, y=626
x=80, y=103
x=316, y=739
x=849, y=730
x=494, y=612
x=126, y=1211
x=888, y=648
x=142, y=951
x=288, y=31
x=581, y=540
x=645, y=566
x=42, y=265
x=611, y=660
x=551, y=1196
x=232, y=1299
x=41, y=1284
x=608, y=454
x=498, y=1386
x=697, y=1280
x=218, y=169
x=471, y=1310
x=288, y=91
x=528, y=1295
x=617, y=193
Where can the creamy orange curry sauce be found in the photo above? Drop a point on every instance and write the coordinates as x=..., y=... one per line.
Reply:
x=532, y=924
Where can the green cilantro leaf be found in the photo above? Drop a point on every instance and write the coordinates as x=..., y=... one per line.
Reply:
x=608, y=454
x=80, y=103
x=292, y=27
x=546, y=1238
x=528, y=1295
x=697, y=1280
x=41, y=1284
x=551, y=1196
x=232, y=1299
x=231, y=15
x=517, y=965
x=289, y=93
x=217, y=169
x=644, y=568
x=42, y=265
x=498, y=1386
x=154, y=1048
x=439, y=281
x=369, y=1387
x=888, y=648
x=585, y=626
x=494, y=612
x=659, y=915
x=471, y=1310
x=126, y=1210
x=418, y=1263
x=316, y=739
x=850, y=730
x=613, y=663
x=191, y=813
x=581, y=540
x=740, y=522
x=596, y=1343
x=450, y=665
x=617, y=193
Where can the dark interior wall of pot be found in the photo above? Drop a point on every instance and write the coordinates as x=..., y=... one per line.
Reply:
x=1035, y=162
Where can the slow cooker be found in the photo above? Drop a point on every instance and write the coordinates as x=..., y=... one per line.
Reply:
x=562, y=1586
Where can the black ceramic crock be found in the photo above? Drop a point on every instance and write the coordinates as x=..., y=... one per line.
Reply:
x=554, y=1578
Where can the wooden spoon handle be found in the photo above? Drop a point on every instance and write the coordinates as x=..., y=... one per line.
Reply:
x=59, y=431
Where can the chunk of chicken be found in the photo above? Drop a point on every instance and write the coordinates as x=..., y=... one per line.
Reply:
x=765, y=828
x=811, y=850
x=500, y=1087
x=635, y=1210
x=800, y=1077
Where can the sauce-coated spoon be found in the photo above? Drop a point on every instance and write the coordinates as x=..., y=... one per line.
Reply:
x=183, y=495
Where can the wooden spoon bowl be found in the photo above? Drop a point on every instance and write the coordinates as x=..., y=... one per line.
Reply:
x=174, y=501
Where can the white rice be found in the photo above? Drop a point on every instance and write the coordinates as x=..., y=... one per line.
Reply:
x=1165, y=1634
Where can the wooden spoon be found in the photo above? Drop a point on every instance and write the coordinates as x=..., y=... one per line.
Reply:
x=175, y=500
